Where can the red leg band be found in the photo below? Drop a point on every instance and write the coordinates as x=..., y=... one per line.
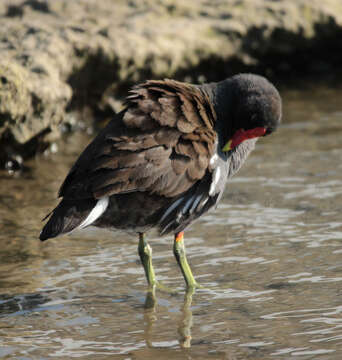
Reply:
x=179, y=236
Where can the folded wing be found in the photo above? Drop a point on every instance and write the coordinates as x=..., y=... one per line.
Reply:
x=161, y=143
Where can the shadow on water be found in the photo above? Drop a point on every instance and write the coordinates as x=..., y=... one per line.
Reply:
x=269, y=258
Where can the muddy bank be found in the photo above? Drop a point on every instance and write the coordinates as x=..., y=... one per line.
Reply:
x=60, y=55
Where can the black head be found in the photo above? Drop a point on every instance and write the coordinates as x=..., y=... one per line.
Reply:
x=247, y=106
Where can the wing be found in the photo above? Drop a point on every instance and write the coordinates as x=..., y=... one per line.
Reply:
x=161, y=143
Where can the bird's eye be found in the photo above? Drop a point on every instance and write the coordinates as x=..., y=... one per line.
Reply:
x=269, y=130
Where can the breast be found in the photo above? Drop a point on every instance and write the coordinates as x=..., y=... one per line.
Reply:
x=239, y=155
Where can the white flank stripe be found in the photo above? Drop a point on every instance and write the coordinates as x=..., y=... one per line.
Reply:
x=96, y=212
x=168, y=211
x=213, y=159
x=188, y=204
x=216, y=178
x=194, y=205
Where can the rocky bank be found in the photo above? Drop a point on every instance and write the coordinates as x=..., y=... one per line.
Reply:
x=59, y=56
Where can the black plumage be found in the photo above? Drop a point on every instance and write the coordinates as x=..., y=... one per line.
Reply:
x=163, y=161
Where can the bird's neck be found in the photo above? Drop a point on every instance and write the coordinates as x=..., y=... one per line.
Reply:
x=222, y=97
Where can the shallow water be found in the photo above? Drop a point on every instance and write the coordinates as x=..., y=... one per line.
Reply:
x=269, y=259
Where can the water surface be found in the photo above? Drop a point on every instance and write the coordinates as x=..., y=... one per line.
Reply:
x=269, y=258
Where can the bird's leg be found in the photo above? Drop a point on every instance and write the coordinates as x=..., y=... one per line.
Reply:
x=179, y=252
x=145, y=253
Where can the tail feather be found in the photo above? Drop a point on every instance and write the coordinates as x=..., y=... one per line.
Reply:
x=67, y=216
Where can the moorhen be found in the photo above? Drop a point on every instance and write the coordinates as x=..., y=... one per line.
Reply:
x=164, y=160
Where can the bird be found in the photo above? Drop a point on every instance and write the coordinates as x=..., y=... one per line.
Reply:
x=164, y=160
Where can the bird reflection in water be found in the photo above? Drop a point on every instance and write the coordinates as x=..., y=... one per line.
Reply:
x=185, y=322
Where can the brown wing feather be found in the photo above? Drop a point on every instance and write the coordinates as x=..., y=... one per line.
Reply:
x=161, y=143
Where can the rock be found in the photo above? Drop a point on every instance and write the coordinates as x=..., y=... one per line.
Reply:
x=62, y=55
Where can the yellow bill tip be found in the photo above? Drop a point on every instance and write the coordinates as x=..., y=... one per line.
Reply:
x=228, y=146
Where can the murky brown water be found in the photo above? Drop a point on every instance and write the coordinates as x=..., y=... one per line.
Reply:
x=269, y=259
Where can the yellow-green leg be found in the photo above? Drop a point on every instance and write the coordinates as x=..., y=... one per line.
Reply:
x=179, y=252
x=145, y=253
